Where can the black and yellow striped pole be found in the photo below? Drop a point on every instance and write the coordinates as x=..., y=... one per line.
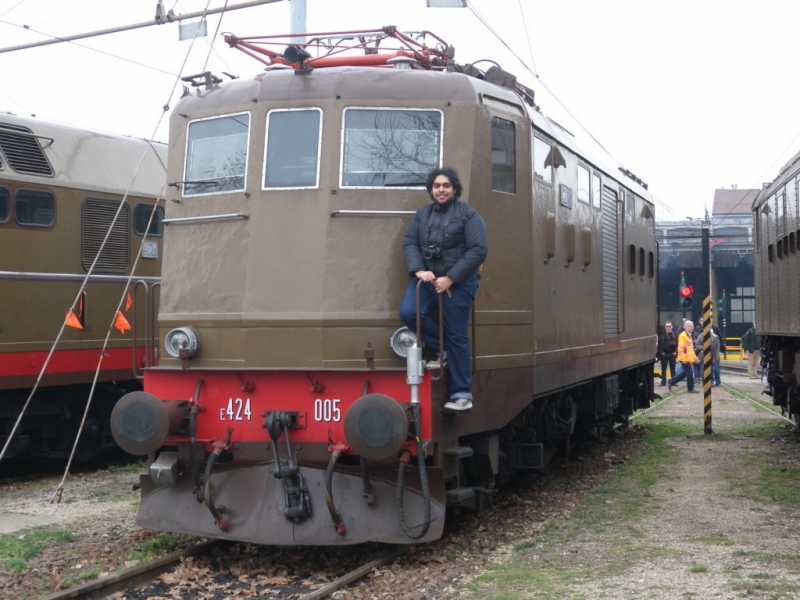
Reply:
x=706, y=338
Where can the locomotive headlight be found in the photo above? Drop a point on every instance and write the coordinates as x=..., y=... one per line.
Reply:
x=402, y=340
x=180, y=338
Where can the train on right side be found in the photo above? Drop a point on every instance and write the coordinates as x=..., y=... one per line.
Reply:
x=776, y=235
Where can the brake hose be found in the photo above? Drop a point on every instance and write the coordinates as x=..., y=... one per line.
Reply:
x=423, y=480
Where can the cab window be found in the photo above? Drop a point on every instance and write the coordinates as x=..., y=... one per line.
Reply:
x=293, y=149
x=141, y=218
x=541, y=150
x=385, y=147
x=5, y=205
x=34, y=207
x=584, y=190
x=503, y=156
x=216, y=155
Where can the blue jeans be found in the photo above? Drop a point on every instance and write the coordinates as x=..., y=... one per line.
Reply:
x=715, y=372
x=698, y=371
x=686, y=372
x=456, y=309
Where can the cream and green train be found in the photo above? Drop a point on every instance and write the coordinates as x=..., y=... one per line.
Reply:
x=60, y=191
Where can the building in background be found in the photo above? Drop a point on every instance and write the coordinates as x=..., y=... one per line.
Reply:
x=731, y=260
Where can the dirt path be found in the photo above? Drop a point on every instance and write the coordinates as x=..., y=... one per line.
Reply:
x=721, y=521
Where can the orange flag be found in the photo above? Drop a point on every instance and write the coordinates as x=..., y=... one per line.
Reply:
x=73, y=321
x=121, y=323
x=128, y=302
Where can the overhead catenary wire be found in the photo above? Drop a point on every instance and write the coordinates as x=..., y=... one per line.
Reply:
x=541, y=82
x=60, y=488
x=88, y=275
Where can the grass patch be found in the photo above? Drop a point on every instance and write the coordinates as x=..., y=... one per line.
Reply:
x=17, y=549
x=770, y=483
x=134, y=467
x=540, y=571
x=699, y=569
x=716, y=541
x=158, y=546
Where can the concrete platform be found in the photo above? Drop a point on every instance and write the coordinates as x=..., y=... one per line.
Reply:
x=12, y=522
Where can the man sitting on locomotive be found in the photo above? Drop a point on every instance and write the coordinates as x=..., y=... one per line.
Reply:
x=444, y=245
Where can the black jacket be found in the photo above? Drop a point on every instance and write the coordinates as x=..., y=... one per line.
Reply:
x=449, y=240
x=751, y=341
x=667, y=344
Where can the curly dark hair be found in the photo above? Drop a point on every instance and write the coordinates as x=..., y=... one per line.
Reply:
x=447, y=172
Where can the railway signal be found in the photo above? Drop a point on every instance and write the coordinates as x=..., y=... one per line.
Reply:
x=686, y=297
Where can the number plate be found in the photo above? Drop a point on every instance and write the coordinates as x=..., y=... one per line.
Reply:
x=150, y=250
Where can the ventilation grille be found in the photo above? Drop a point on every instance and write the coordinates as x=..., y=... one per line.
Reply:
x=23, y=151
x=96, y=218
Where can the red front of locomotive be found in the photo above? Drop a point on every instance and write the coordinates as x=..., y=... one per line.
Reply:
x=286, y=457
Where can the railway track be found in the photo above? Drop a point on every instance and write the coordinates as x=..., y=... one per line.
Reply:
x=146, y=573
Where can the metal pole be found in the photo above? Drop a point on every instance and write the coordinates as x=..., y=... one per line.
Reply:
x=166, y=19
x=706, y=338
x=297, y=18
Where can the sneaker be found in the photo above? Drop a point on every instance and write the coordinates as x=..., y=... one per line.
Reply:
x=459, y=404
x=437, y=363
x=669, y=385
x=662, y=384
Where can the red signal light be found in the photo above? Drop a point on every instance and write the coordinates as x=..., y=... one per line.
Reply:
x=687, y=291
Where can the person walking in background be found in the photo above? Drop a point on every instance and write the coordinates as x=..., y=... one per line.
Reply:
x=686, y=357
x=667, y=351
x=716, y=352
x=697, y=340
x=722, y=347
x=751, y=344
x=444, y=246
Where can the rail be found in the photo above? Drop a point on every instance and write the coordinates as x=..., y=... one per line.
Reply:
x=105, y=586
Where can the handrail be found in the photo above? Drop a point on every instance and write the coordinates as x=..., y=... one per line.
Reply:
x=225, y=217
x=371, y=213
x=441, y=332
x=149, y=327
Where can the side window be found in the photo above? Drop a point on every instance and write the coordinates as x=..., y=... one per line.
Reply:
x=641, y=262
x=216, y=155
x=503, y=156
x=390, y=147
x=293, y=149
x=631, y=259
x=5, y=205
x=596, y=190
x=541, y=150
x=141, y=217
x=584, y=191
x=630, y=207
x=34, y=207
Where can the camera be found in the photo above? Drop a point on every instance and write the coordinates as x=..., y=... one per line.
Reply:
x=432, y=252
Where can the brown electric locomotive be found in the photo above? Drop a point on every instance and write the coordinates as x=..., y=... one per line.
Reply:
x=60, y=188
x=776, y=235
x=290, y=406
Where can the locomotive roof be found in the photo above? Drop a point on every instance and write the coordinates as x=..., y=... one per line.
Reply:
x=787, y=171
x=89, y=159
x=414, y=87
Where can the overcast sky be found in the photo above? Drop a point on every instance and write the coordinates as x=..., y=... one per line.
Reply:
x=690, y=96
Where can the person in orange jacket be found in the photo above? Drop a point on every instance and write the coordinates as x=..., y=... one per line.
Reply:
x=686, y=357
